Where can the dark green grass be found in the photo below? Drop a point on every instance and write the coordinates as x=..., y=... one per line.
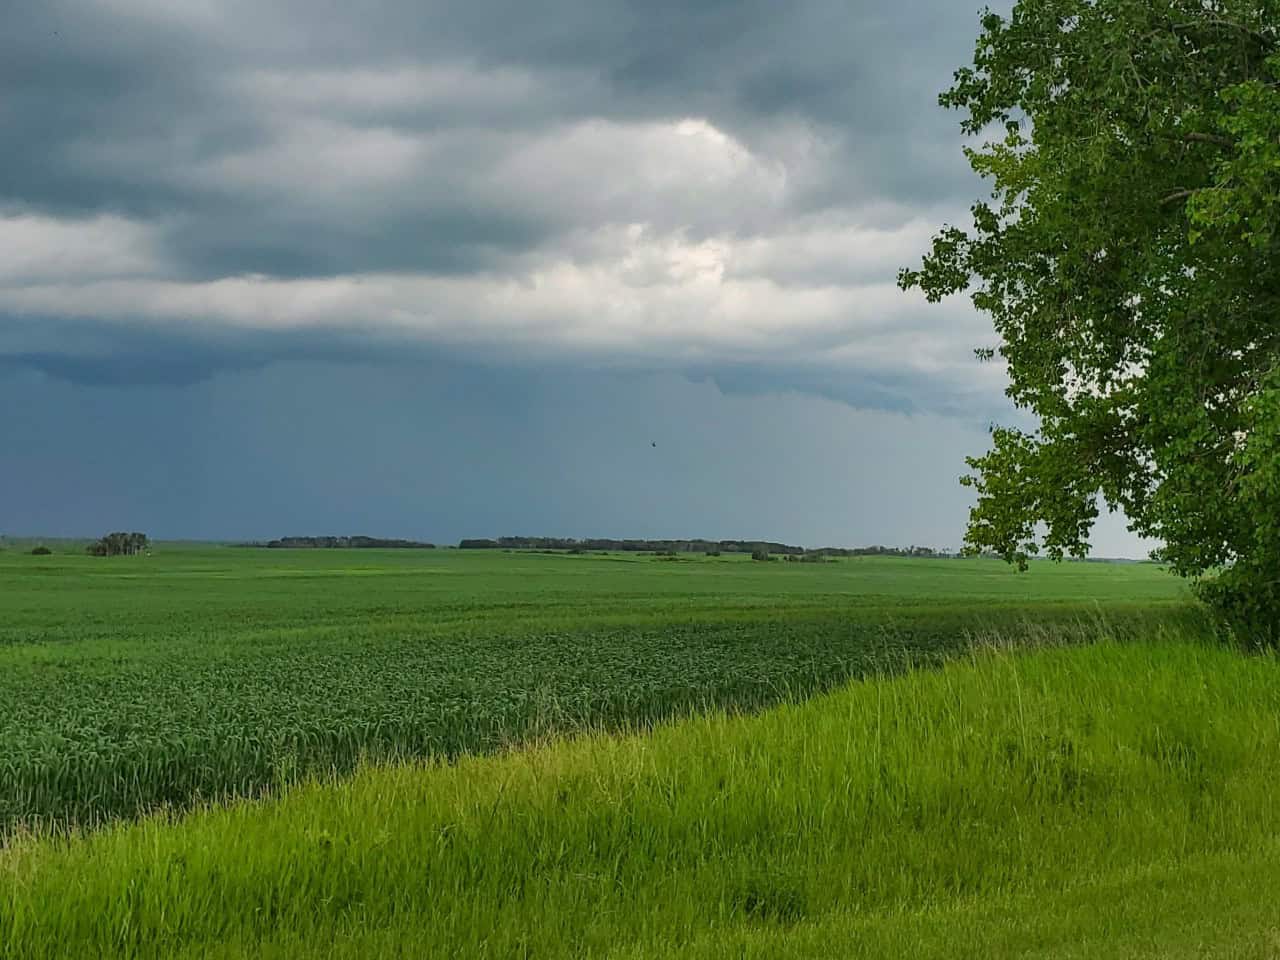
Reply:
x=1095, y=801
x=197, y=673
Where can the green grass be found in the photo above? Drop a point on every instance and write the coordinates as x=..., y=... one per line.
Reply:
x=133, y=683
x=1113, y=800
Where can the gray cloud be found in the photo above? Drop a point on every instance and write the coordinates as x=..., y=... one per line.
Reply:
x=243, y=127
x=717, y=186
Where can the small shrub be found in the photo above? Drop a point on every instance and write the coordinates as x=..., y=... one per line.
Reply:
x=761, y=555
x=713, y=553
x=41, y=551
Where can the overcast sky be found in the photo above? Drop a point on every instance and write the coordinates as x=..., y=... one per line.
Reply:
x=442, y=269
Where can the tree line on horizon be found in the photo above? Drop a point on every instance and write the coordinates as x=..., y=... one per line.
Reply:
x=344, y=543
x=696, y=545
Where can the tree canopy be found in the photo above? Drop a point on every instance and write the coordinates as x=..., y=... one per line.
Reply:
x=119, y=545
x=1129, y=257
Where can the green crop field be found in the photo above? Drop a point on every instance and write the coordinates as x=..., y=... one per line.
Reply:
x=198, y=673
x=227, y=752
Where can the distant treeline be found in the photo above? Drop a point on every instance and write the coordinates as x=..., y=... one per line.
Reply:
x=343, y=543
x=692, y=546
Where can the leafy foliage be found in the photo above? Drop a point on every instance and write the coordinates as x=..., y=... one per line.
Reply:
x=1129, y=257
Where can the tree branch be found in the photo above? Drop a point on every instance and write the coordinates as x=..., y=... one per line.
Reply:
x=1180, y=195
x=1223, y=22
x=1210, y=138
x=1215, y=139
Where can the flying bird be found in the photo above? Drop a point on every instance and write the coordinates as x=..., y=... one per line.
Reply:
x=654, y=443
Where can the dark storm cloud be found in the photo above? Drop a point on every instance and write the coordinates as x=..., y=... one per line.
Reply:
x=81, y=353
x=386, y=450
x=129, y=107
x=200, y=183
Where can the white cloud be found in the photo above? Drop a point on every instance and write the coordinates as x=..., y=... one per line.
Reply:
x=685, y=172
x=818, y=251
x=629, y=296
x=586, y=174
x=44, y=250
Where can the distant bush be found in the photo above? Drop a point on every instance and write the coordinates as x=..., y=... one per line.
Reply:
x=761, y=555
x=713, y=553
x=41, y=551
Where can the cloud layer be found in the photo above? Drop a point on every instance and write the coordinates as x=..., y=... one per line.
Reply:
x=720, y=189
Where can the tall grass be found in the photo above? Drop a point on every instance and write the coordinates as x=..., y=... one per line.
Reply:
x=1105, y=799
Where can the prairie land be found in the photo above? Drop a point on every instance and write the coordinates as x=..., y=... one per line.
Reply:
x=202, y=673
x=241, y=753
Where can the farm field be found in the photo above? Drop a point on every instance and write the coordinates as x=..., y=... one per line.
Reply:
x=1103, y=800
x=197, y=674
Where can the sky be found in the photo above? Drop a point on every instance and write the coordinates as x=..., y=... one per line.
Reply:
x=466, y=268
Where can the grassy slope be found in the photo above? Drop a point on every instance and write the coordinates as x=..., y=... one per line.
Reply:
x=132, y=682
x=1101, y=801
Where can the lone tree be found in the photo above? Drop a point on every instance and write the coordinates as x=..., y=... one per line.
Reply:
x=1130, y=259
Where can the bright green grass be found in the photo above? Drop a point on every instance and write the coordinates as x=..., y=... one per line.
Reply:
x=1101, y=801
x=131, y=683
